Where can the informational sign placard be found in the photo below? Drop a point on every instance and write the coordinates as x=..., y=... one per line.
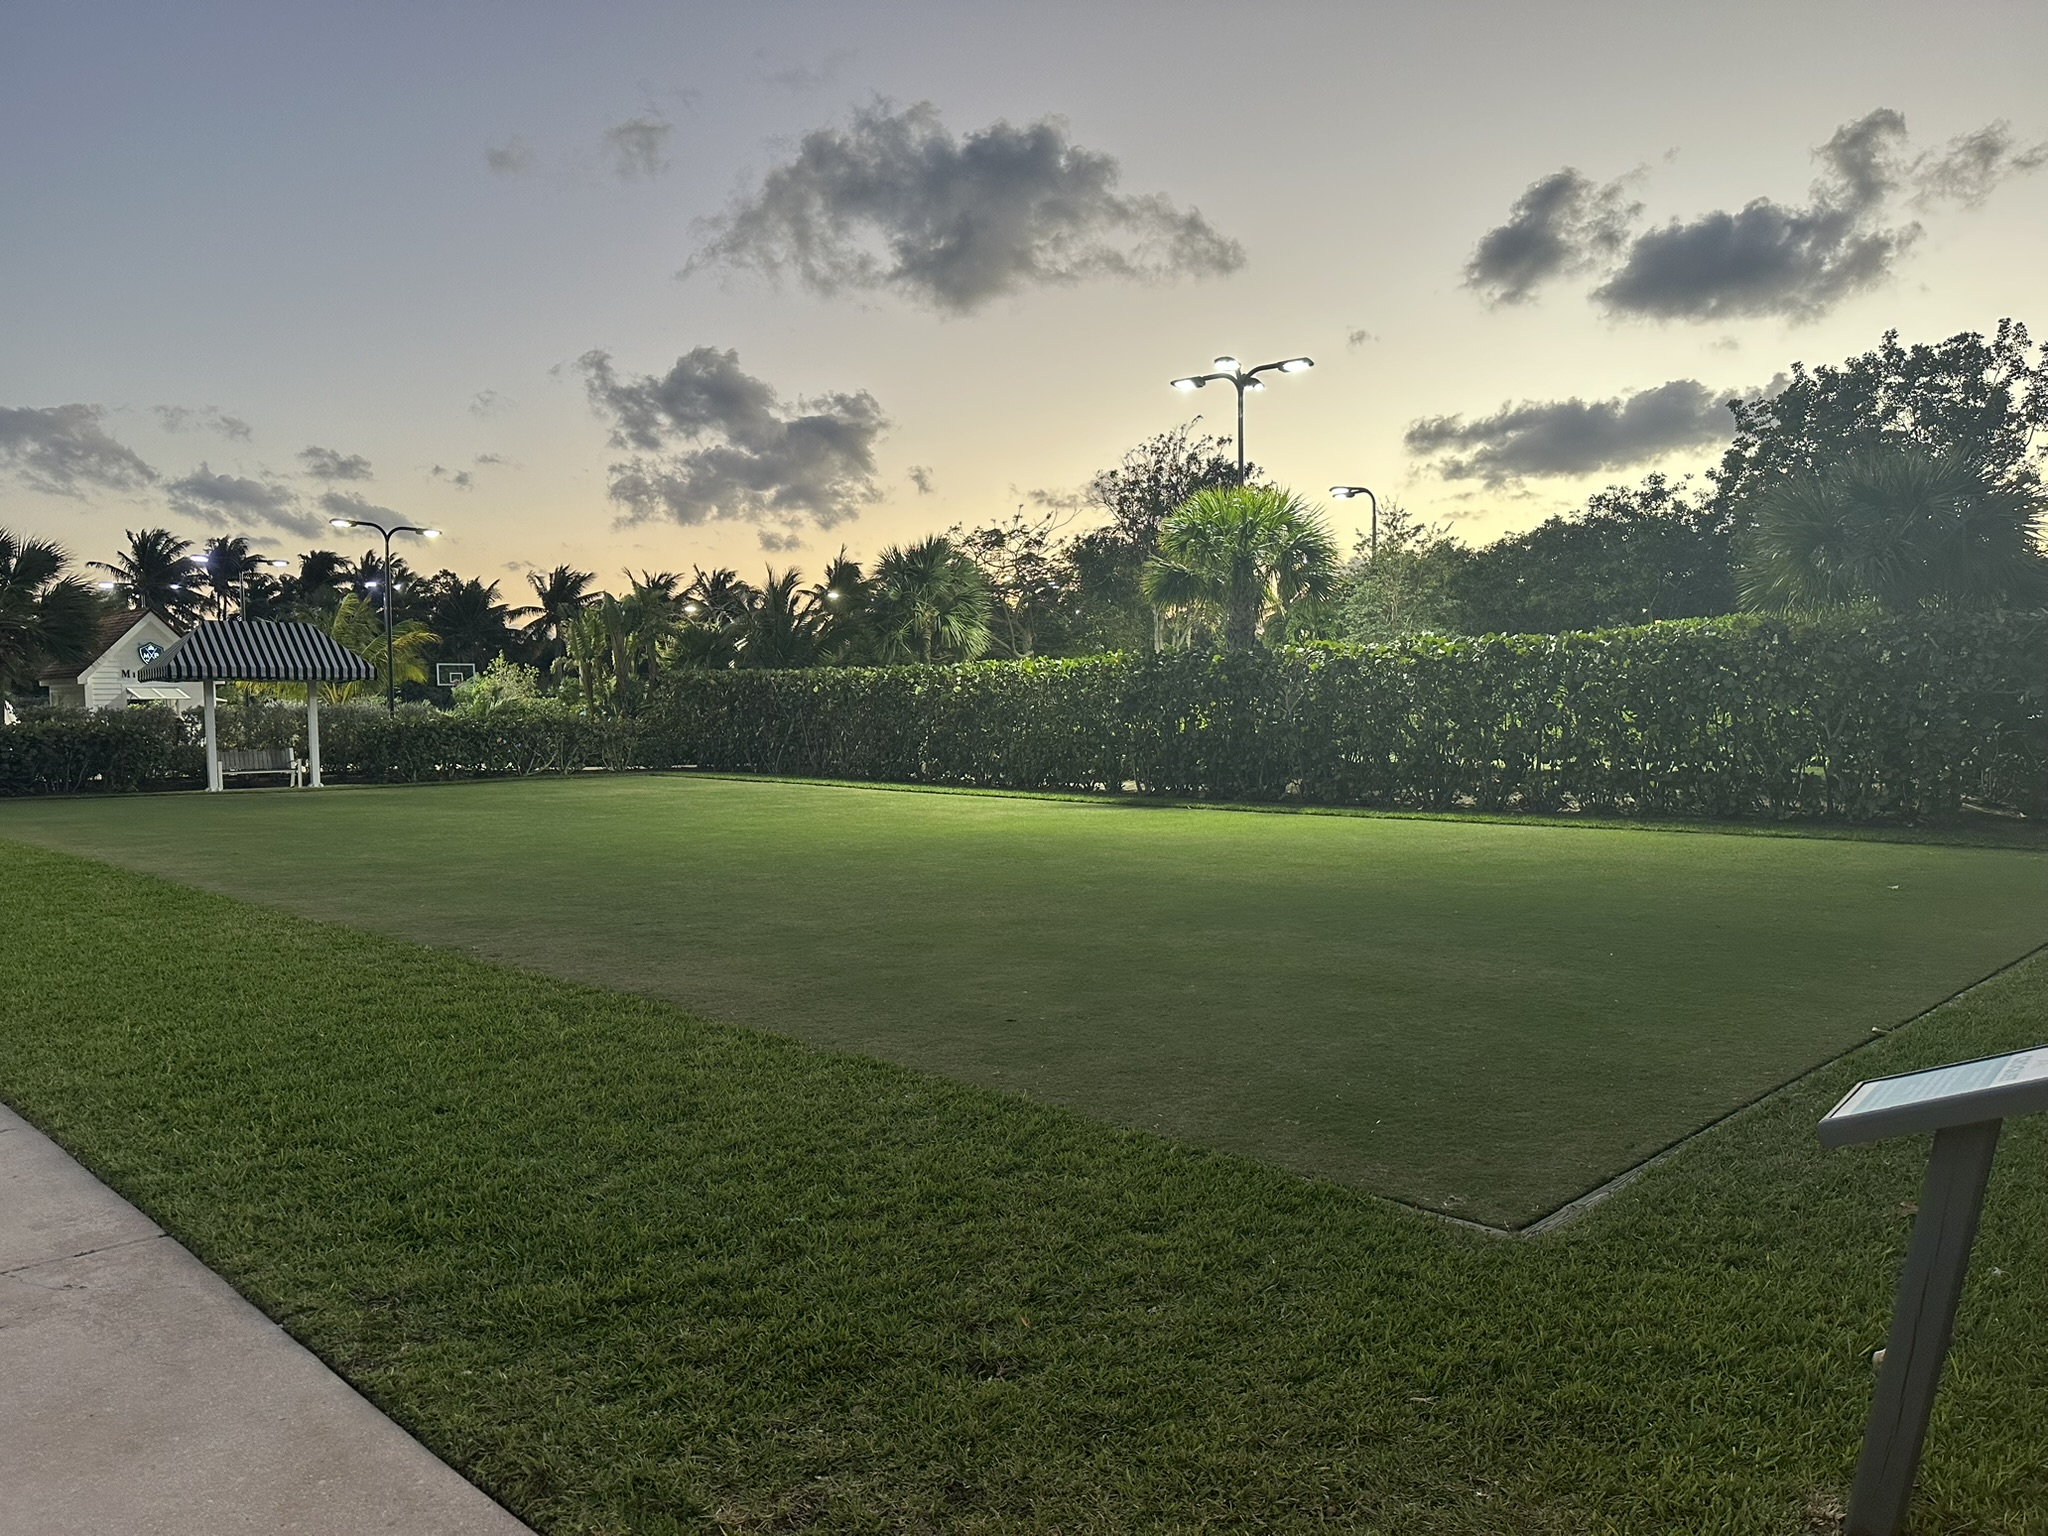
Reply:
x=1990, y=1088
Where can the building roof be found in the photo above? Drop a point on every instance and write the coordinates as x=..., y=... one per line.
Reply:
x=257, y=651
x=114, y=629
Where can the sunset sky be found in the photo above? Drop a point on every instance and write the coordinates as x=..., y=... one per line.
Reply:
x=631, y=284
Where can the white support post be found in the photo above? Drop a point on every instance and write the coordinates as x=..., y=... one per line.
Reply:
x=312, y=735
x=209, y=690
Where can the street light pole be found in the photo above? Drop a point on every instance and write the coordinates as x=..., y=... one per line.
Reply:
x=1230, y=371
x=390, y=665
x=1345, y=493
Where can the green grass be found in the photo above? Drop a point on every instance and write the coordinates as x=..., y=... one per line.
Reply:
x=1481, y=1018
x=638, y=1273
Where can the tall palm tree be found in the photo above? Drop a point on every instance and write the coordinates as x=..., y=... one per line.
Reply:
x=358, y=623
x=1901, y=527
x=841, y=599
x=156, y=571
x=227, y=566
x=558, y=597
x=784, y=627
x=46, y=617
x=931, y=603
x=1234, y=554
x=471, y=621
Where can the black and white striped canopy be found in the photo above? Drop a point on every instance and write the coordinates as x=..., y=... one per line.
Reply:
x=257, y=651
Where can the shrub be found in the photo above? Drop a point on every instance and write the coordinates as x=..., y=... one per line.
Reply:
x=1853, y=716
x=513, y=737
x=70, y=751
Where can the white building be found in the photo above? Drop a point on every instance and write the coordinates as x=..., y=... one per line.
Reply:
x=128, y=642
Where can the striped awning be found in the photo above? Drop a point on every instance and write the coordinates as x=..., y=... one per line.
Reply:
x=257, y=651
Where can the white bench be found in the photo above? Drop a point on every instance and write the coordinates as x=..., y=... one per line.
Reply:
x=264, y=760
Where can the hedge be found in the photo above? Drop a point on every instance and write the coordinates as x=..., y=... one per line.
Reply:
x=69, y=752
x=1852, y=717
x=419, y=742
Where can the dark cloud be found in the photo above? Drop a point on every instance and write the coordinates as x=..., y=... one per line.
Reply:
x=895, y=201
x=489, y=458
x=331, y=464
x=709, y=441
x=1358, y=336
x=638, y=147
x=1773, y=259
x=224, y=501
x=1574, y=437
x=921, y=477
x=1564, y=223
x=515, y=157
x=488, y=402
x=206, y=418
x=63, y=449
x=461, y=479
x=352, y=505
x=1972, y=164
x=779, y=543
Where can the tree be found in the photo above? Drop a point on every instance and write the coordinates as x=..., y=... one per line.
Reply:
x=1230, y=556
x=46, y=617
x=558, y=597
x=312, y=592
x=156, y=572
x=1102, y=606
x=1632, y=557
x=1899, y=526
x=471, y=620
x=931, y=603
x=842, y=599
x=1983, y=400
x=782, y=629
x=230, y=572
x=1399, y=585
x=1026, y=579
x=358, y=623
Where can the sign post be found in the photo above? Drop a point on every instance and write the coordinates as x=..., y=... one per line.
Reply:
x=1964, y=1106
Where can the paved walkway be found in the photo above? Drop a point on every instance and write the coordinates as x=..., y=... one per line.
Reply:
x=143, y=1397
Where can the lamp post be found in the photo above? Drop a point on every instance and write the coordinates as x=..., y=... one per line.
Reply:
x=390, y=667
x=1230, y=371
x=242, y=580
x=1345, y=493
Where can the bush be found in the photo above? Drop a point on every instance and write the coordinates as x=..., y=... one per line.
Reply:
x=514, y=737
x=1853, y=716
x=70, y=751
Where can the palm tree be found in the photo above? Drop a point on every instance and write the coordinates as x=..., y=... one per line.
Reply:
x=931, y=602
x=558, y=597
x=841, y=600
x=1901, y=527
x=358, y=623
x=156, y=572
x=471, y=621
x=46, y=617
x=228, y=566
x=1233, y=554
x=783, y=629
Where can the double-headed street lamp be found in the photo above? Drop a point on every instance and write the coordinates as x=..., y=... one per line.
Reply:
x=1230, y=371
x=1345, y=493
x=390, y=666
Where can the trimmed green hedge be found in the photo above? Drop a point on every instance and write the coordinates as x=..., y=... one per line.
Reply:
x=542, y=736
x=69, y=752
x=1852, y=717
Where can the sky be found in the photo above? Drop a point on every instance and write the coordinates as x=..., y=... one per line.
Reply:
x=653, y=286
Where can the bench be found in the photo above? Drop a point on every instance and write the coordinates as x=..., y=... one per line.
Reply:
x=263, y=760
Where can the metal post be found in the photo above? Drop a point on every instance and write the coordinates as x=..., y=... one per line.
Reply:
x=390, y=670
x=1240, y=429
x=207, y=692
x=1923, y=1318
x=312, y=734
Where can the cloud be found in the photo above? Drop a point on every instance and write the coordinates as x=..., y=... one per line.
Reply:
x=1054, y=501
x=1563, y=223
x=515, y=157
x=1771, y=258
x=235, y=501
x=709, y=441
x=329, y=464
x=1972, y=164
x=779, y=543
x=1574, y=437
x=798, y=78
x=488, y=402
x=921, y=477
x=352, y=505
x=62, y=449
x=894, y=201
x=207, y=418
x=489, y=458
x=1768, y=258
x=638, y=147
x=1359, y=336
x=461, y=479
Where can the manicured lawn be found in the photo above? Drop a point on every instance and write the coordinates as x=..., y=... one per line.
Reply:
x=1481, y=1018
x=638, y=1273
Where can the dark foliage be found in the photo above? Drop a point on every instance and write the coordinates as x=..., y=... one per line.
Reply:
x=69, y=752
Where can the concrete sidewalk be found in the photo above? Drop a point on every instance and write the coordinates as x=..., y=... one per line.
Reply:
x=143, y=1397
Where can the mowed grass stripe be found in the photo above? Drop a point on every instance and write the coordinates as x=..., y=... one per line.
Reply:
x=1480, y=1018
x=638, y=1273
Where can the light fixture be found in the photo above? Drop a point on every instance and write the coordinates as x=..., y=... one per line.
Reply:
x=339, y=522
x=279, y=565
x=107, y=586
x=1234, y=373
x=1297, y=365
x=1225, y=365
x=1188, y=386
x=430, y=533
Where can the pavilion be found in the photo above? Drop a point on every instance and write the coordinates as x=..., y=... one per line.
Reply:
x=258, y=651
